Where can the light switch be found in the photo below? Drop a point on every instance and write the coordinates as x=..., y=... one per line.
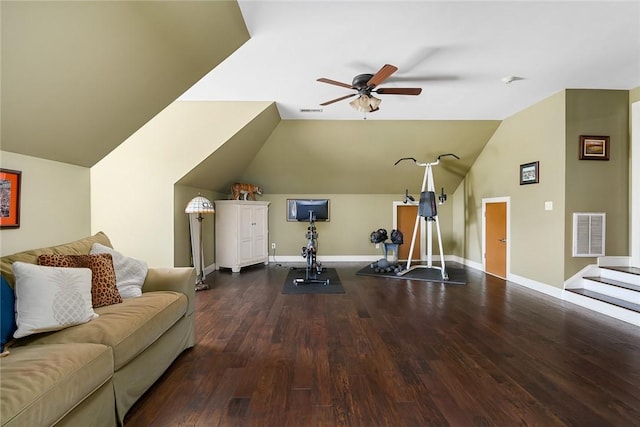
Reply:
x=548, y=206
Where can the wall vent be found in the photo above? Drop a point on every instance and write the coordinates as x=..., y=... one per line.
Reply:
x=588, y=234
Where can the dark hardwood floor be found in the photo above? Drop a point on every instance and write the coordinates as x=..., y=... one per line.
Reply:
x=391, y=352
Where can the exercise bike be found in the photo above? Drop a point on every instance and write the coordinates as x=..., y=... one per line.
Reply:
x=313, y=268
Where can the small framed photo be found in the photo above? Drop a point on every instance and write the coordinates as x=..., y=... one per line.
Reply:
x=9, y=198
x=594, y=147
x=530, y=173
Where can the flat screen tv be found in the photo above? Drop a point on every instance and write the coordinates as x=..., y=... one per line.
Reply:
x=316, y=210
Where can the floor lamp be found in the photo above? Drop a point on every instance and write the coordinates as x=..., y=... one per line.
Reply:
x=196, y=208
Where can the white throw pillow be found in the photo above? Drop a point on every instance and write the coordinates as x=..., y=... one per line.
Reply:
x=130, y=272
x=51, y=298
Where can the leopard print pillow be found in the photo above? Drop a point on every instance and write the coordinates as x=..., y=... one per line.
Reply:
x=103, y=275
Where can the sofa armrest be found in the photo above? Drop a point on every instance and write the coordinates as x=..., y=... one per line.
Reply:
x=179, y=279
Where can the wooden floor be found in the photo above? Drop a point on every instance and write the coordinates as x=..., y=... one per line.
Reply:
x=393, y=352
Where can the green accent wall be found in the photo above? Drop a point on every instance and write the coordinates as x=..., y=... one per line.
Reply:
x=597, y=186
x=352, y=219
x=536, y=239
x=548, y=132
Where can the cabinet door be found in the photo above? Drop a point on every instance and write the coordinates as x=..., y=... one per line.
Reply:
x=245, y=229
x=259, y=223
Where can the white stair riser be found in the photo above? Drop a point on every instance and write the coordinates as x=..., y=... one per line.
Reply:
x=614, y=291
x=603, y=307
x=634, y=279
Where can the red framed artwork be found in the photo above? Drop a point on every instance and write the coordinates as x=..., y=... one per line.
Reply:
x=9, y=198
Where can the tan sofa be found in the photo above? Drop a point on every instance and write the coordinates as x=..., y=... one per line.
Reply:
x=92, y=374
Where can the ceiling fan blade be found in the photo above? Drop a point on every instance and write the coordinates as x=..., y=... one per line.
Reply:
x=338, y=99
x=399, y=91
x=382, y=75
x=333, y=82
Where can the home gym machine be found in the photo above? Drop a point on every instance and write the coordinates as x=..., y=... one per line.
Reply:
x=427, y=209
x=313, y=268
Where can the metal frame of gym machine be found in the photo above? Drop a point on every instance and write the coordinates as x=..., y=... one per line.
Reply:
x=427, y=185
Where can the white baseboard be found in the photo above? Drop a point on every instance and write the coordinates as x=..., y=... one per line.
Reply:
x=209, y=269
x=353, y=258
x=467, y=262
x=535, y=285
x=326, y=258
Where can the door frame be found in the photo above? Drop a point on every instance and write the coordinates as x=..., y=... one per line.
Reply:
x=634, y=190
x=506, y=200
x=407, y=239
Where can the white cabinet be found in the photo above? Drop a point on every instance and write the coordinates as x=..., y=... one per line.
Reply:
x=242, y=233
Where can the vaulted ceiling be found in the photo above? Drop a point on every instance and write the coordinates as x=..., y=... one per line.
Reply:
x=78, y=78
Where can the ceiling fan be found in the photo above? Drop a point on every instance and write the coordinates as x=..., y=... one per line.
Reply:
x=365, y=85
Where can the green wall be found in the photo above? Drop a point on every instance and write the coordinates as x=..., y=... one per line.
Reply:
x=536, y=239
x=548, y=132
x=352, y=219
x=597, y=186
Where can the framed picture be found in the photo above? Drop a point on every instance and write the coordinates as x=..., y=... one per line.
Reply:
x=530, y=173
x=9, y=198
x=594, y=147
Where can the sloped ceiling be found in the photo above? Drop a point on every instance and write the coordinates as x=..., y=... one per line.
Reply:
x=358, y=157
x=79, y=77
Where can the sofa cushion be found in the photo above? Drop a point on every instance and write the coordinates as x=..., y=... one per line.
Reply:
x=51, y=298
x=7, y=313
x=103, y=276
x=130, y=272
x=40, y=384
x=128, y=328
x=78, y=247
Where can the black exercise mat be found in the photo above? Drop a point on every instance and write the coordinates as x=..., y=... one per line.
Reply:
x=334, y=286
x=457, y=276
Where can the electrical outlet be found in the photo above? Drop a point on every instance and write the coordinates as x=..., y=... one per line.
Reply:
x=273, y=245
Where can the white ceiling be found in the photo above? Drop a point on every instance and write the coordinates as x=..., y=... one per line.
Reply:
x=456, y=51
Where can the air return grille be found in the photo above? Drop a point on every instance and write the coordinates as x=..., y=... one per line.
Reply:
x=588, y=234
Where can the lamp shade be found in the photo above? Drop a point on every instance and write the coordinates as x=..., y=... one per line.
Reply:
x=199, y=204
x=366, y=103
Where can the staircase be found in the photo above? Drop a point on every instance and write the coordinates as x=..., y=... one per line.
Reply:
x=614, y=291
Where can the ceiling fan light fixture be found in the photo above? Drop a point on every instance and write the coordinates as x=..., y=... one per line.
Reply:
x=365, y=103
x=364, y=84
x=374, y=102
